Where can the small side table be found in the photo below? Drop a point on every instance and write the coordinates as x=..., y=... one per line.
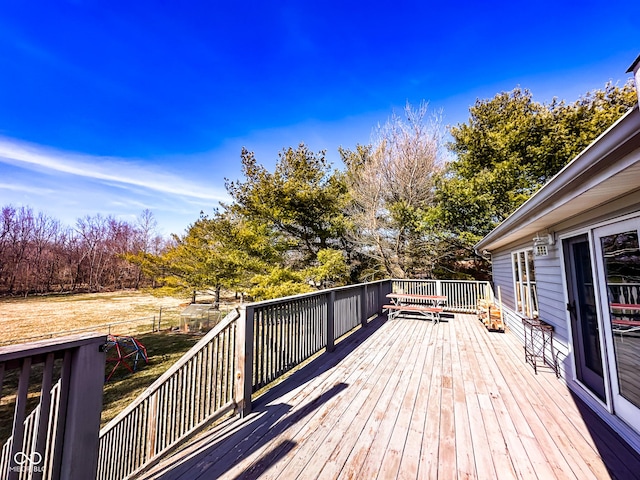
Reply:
x=538, y=336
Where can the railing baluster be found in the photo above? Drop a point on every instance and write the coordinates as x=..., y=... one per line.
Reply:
x=216, y=402
x=206, y=406
x=19, y=416
x=2, y=369
x=45, y=407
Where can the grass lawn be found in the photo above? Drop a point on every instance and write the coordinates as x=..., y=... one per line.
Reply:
x=163, y=349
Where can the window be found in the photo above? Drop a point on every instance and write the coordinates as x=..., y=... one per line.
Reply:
x=524, y=279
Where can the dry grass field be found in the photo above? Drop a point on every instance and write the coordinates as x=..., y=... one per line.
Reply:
x=33, y=318
x=27, y=319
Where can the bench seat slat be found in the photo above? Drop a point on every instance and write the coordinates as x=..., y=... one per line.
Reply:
x=413, y=308
x=432, y=313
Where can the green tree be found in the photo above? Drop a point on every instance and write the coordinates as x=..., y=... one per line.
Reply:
x=509, y=148
x=302, y=201
x=332, y=268
x=221, y=251
x=278, y=282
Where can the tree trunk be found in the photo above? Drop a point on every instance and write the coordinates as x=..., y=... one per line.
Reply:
x=216, y=302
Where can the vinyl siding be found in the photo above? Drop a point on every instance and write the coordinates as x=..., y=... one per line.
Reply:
x=551, y=296
x=551, y=304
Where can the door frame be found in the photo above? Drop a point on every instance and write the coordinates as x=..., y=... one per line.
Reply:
x=606, y=402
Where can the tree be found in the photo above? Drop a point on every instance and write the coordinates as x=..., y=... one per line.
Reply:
x=391, y=190
x=332, y=268
x=148, y=245
x=278, y=282
x=302, y=201
x=147, y=233
x=221, y=251
x=43, y=258
x=509, y=148
x=93, y=231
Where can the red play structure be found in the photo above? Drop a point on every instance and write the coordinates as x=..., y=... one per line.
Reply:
x=123, y=351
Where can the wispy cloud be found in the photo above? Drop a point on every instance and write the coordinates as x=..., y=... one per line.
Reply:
x=26, y=189
x=107, y=170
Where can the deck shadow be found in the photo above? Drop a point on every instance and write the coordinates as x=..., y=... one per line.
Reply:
x=322, y=363
x=620, y=459
x=218, y=452
x=212, y=456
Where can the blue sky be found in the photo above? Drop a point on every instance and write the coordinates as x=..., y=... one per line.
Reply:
x=115, y=107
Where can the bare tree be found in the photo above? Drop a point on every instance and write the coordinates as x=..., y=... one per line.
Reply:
x=41, y=258
x=391, y=184
x=8, y=218
x=147, y=226
x=93, y=231
x=19, y=236
x=39, y=255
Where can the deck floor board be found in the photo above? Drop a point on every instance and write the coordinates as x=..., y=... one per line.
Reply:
x=409, y=399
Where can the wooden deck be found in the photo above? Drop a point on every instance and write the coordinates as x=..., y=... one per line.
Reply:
x=411, y=399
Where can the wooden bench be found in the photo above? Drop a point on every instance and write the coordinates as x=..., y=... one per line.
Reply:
x=432, y=313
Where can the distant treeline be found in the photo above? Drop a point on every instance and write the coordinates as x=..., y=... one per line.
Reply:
x=40, y=255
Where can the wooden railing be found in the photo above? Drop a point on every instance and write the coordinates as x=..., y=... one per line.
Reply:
x=195, y=391
x=249, y=349
x=462, y=295
x=288, y=331
x=59, y=437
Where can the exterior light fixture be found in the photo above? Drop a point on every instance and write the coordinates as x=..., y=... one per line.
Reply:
x=541, y=244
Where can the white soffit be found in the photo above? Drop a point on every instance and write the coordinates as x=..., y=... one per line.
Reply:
x=611, y=189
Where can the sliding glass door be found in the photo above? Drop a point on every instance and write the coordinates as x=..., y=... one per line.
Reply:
x=618, y=247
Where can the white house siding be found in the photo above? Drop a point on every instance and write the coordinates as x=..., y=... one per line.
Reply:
x=551, y=302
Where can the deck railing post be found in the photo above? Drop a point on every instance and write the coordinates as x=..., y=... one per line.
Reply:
x=331, y=298
x=363, y=306
x=82, y=419
x=244, y=361
x=386, y=287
